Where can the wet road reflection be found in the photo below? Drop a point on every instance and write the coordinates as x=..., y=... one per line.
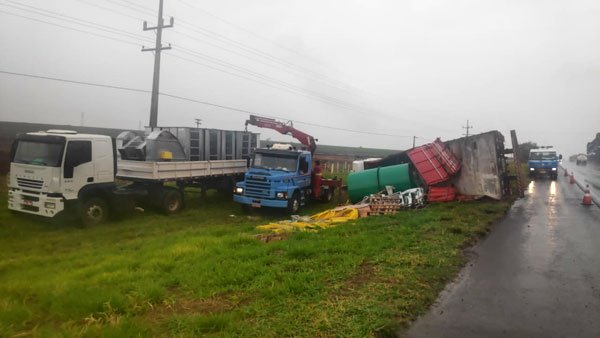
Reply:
x=531, y=187
x=536, y=275
x=553, y=188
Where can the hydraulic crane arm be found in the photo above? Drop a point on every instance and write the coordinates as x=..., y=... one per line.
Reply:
x=285, y=129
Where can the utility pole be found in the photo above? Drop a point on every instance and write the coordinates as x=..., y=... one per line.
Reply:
x=414, y=139
x=467, y=128
x=160, y=24
x=198, y=123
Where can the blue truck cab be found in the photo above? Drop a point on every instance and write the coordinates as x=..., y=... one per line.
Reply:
x=278, y=178
x=543, y=161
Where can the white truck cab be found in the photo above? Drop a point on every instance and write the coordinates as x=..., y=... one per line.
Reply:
x=49, y=169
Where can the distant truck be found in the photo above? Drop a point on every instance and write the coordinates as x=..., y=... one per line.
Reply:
x=59, y=170
x=581, y=159
x=543, y=161
x=361, y=165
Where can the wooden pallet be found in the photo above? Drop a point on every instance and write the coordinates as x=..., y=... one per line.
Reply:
x=385, y=205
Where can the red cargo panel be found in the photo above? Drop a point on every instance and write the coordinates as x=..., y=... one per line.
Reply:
x=427, y=164
x=441, y=194
x=446, y=157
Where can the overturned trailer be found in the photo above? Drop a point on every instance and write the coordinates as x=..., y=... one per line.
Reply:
x=483, y=165
x=472, y=166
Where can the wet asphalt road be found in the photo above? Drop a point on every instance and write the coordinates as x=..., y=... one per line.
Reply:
x=537, y=274
x=587, y=174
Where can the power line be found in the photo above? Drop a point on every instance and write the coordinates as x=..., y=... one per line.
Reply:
x=290, y=88
x=110, y=10
x=321, y=97
x=295, y=67
x=311, y=93
x=70, y=28
x=182, y=98
x=249, y=32
x=77, y=21
x=294, y=89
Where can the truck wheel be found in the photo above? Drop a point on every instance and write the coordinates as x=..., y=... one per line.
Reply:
x=294, y=204
x=172, y=201
x=93, y=211
x=327, y=195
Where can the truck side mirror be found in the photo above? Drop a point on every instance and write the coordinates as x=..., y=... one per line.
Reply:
x=560, y=156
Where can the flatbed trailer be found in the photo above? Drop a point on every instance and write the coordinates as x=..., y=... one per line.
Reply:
x=57, y=171
x=178, y=171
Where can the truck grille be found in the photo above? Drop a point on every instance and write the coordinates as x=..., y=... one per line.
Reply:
x=257, y=187
x=27, y=183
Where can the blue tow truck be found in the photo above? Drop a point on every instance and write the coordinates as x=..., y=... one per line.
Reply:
x=282, y=176
x=543, y=161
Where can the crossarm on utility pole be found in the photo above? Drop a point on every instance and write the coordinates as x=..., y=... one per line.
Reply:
x=160, y=25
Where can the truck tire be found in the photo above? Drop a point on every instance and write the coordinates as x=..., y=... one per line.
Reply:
x=93, y=210
x=327, y=195
x=294, y=204
x=172, y=201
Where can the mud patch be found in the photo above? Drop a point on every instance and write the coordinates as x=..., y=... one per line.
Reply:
x=365, y=274
x=267, y=238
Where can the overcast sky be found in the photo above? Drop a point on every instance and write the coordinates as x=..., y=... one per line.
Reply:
x=392, y=69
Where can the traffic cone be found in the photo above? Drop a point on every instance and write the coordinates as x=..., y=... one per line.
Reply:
x=572, y=180
x=566, y=172
x=587, y=198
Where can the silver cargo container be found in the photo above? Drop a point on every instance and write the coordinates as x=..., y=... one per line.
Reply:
x=204, y=144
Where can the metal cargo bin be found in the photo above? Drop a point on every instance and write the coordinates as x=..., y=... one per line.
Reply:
x=426, y=162
x=212, y=144
x=203, y=144
x=446, y=157
x=188, y=137
x=228, y=145
x=196, y=144
x=441, y=194
x=246, y=142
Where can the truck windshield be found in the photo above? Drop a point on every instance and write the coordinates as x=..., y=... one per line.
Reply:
x=545, y=155
x=38, y=153
x=275, y=162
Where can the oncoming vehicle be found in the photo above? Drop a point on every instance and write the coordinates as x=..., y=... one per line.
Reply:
x=543, y=161
x=582, y=159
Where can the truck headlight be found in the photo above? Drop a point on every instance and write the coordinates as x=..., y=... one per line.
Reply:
x=281, y=195
x=553, y=169
x=50, y=205
x=238, y=190
x=531, y=169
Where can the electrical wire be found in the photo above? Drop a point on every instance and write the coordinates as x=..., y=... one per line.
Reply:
x=193, y=27
x=70, y=28
x=296, y=89
x=77, y=21
x=182, y=98
x=287, y=87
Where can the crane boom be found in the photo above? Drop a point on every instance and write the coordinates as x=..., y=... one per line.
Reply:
x=285, y=129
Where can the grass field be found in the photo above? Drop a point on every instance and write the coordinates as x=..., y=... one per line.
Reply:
x=203, y=272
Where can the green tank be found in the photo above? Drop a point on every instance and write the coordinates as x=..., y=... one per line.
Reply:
x=364, y=183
